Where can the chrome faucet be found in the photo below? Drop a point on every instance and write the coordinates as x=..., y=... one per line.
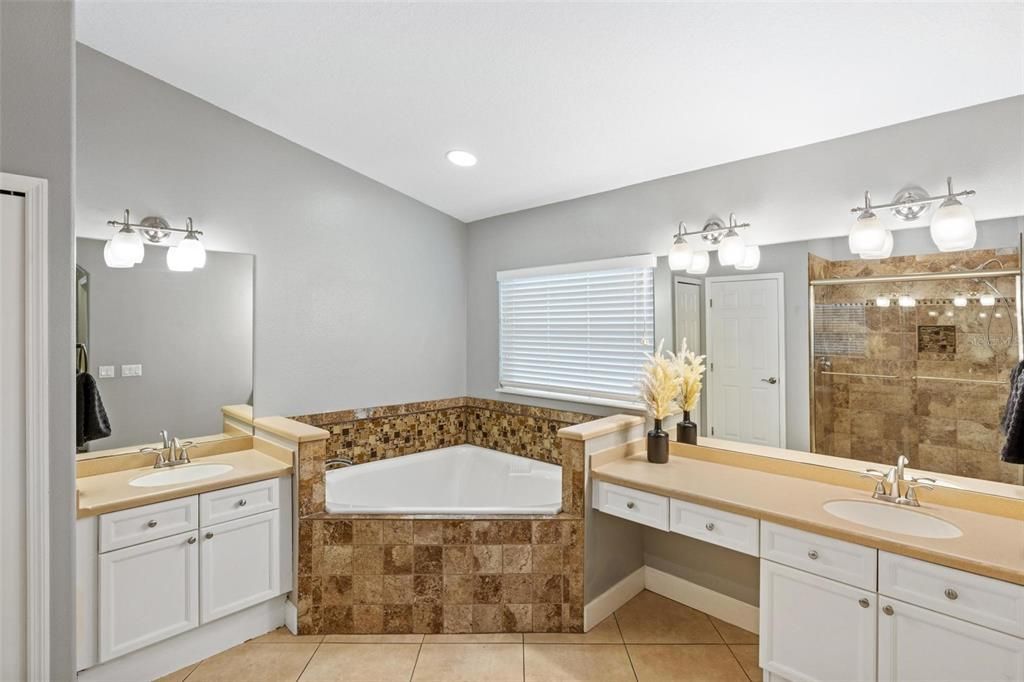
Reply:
x=173, y=452
x=895, y=487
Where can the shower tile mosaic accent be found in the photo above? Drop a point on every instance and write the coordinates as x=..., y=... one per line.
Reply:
x=905, y=393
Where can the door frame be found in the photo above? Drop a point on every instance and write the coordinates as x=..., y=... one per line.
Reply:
x=37, y=423
x=780, y=280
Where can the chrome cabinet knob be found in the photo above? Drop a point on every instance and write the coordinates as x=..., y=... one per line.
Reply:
x=209, y=535
x=951, y=594
x=887, y=610
x=192, y=541
x=152, y=523
x=864, y=603
x=241, y=502
x=770, y=380
x=812, y=555
x=630, y=505
x=709, y=525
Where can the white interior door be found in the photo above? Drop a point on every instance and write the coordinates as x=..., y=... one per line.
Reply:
x=12, y=438
x=745, y=361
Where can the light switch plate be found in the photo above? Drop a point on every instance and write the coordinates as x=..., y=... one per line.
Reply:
x=106, y=371
x=131, y=370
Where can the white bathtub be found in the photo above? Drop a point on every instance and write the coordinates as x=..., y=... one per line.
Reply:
x=463, y=479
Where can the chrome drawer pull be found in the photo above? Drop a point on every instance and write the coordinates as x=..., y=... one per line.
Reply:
x=887, y=610
x=951, y=594
x=812, y=555
x=864, y=602
x=209, y=535
x=630, y=505
x=241, y=502
x=192, y=541
x=152, y=523
x=709, y=525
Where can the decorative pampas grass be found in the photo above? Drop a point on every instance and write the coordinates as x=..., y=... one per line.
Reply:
x=690, y=368
x=660, y=382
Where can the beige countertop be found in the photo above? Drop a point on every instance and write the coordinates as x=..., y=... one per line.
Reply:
x=107, y=492
x=990, y=545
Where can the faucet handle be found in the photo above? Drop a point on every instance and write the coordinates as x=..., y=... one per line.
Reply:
x=183, y=449
x=912, y=485
x=878, y=477
x=161, y=459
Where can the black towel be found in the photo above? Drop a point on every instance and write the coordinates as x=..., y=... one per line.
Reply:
x=92, y=422
x=1012, y=424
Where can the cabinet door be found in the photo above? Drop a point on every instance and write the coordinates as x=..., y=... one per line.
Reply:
x=148, y=592
x=813, y=628
x=918, y=644
x=240, y=564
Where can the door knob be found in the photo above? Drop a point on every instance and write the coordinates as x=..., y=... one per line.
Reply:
x=770, y=380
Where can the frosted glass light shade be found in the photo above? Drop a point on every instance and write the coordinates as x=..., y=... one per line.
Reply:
x=906, y=301
x=111, y=259
x=751, y=258
x=953, y=227
x=867, y=234
x=987, y=300
x=883, y=301
x=679, y=256
x=126, y=246
x=699, y=263
x=960, y=301
x=177, y=261
x=732, y=249
x=884, y=252
x=192, y=251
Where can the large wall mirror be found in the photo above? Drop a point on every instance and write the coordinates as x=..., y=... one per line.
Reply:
x=823, y=352
x=162, y=351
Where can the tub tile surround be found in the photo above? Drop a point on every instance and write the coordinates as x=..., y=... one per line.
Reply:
x=360, y=574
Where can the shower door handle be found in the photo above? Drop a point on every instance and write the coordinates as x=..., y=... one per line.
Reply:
x=770, y=380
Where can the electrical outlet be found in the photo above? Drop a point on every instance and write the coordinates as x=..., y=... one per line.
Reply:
x=106, y=372
x=131, y=370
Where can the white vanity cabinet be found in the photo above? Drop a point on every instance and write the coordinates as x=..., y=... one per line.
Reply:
x=151, y=572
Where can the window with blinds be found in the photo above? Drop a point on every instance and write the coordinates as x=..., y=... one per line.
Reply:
x=579, y=331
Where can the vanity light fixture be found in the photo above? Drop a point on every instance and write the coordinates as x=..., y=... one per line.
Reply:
x=884, y=252
x=960, y=301
x=987, y=300
x=883, y=301
x=699, y=263
x=681, y=255
x=731, y=248
x=906, y=301
x=868, y=235
x=461, y=158
x=127, y=247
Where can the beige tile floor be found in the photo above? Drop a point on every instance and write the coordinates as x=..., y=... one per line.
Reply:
x=649, y=639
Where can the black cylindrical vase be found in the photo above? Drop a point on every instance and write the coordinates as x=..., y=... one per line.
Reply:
x=686, y=430
x=657, y=444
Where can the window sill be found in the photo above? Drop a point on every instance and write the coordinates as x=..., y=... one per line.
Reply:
x=574, y=398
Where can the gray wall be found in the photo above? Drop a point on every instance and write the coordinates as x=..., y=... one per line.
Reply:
x=808, y=189
x=190, y=331
x=360, y=290
x=37, y=108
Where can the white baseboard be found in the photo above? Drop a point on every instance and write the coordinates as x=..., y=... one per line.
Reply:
x=611, y=599
x=723, y=607
x=190, y=647
x=291, y=616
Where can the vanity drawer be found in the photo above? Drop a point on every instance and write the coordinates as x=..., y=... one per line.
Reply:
x=986, y=601
x=830, y=558
x=736, y=532
x=234, y=503
x=151, y=522
x=633, y=505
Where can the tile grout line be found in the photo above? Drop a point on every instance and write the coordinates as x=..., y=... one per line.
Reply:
x=416, y=662
x=319, y=644
x=740, y=663
x=628, y=656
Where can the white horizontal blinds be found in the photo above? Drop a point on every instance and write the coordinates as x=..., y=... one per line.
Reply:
x=578, y=332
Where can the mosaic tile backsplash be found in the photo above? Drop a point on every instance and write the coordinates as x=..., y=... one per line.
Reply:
x=943, y=423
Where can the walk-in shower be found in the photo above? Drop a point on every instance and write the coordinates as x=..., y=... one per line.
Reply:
x=913, y=357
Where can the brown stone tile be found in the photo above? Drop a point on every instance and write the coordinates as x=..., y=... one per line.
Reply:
x=367, y=560
x=517, y=617
x=547, y=559
x=517, y=588
x=475, y=638
x=458, y=559
x=337, y=560
x=547, y=588
x=733, y=634
x=336, y=590
x=458, y=589
x=458, y=618
x=427, y=617
x=397, y=532
x=547, y=532
x=747, y=656
x=397, y=618
x=368, y=589
x=336, y=619
x=572, y=617
x=577, y=662
x=345, y=662
x=398, y=559
x=687, y=663
x=427, y=532
x=457, y=532
x=516, y=558
x=367, y=532
x=426, y=559
x=605, y=632
x=487, y=589
x=427, y=589
x=469, y=663
x=652, y=619
x=484, y=532
x=374, y=639
x=976, y=436
x=487, y=558
x=397, y=589
x=337, y=532
x=368, y=618
x=516, y=532
x=486, y=618
x=547, y=617
x=256, y=663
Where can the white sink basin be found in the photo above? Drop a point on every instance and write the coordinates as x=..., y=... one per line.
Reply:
x=888, y=516
x=185, y=473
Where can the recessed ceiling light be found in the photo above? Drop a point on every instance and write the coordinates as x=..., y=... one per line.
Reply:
x=461, y=158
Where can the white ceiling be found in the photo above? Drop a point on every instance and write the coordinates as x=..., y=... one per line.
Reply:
x=562, y=100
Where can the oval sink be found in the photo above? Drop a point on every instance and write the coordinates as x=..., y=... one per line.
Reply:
x=186, y=473
x=891, y=517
